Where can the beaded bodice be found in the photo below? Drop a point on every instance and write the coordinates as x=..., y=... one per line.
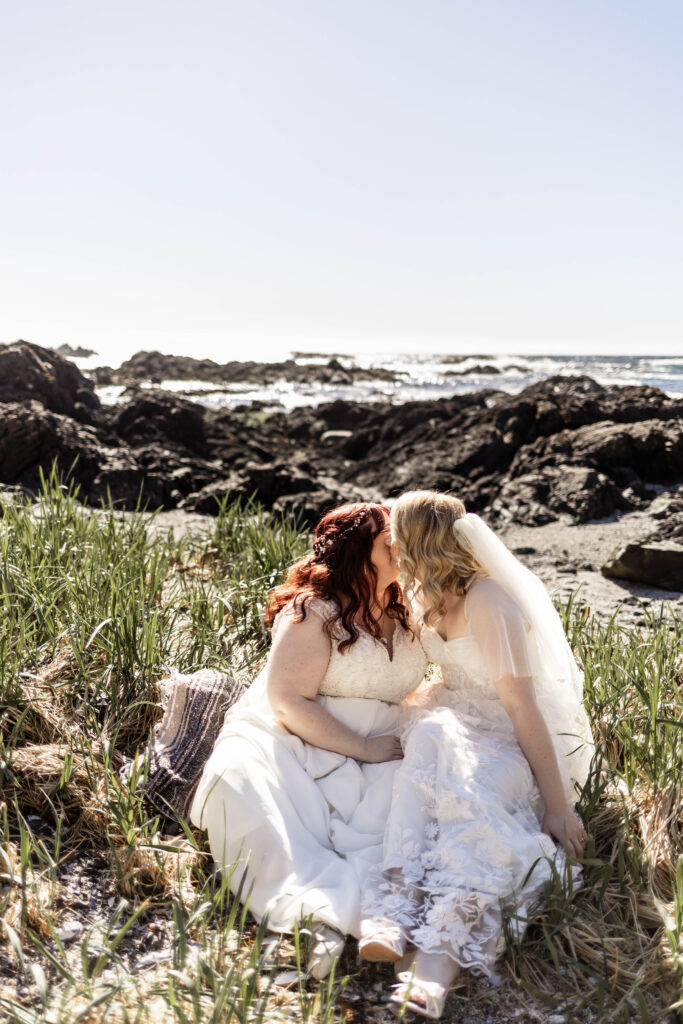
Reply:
x=371, y=669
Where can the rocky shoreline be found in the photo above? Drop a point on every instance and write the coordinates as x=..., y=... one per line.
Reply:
x=564, y=453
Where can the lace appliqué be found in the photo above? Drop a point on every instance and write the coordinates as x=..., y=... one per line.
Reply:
x=463, y=843
x=448, y=890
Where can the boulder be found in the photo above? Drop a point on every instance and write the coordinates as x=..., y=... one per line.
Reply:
x=309, y=506
x=32, y=436
x=575, y=493
x=31, y=373
x=341, y=415
x=164, y=417
x=668, y=510
x=149, y=479
x=266, y=481
x=208, y=499
x=659, y=564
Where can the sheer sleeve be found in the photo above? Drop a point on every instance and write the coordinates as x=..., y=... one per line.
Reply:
x=500, y=630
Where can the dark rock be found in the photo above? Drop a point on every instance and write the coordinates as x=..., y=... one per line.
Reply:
x=145, y=478
x=270, y=481
x=341, y=415
x=31, y=373
x=210, y=497
x=657, y=564
x=165, y=417
x=668, y=510
x=75, y=353
x=265, y=481
x=103, y=376
x=525, y=501
x=650, y=451
x=318, y=355
x=480, y=369
x=156, y=366
x=564, y=448
x=308, y=506
x=575, y=493
x=454, y=360
x=31, y=437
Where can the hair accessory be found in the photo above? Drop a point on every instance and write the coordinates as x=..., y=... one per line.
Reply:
x=322, y=546
x=459, y=523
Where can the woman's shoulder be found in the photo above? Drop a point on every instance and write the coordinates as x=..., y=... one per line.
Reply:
x=299, y=608
x=324, y=607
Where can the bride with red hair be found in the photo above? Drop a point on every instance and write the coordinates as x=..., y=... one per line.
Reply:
x=298, y=787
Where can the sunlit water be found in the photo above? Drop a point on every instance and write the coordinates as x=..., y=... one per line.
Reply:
x=424, y=377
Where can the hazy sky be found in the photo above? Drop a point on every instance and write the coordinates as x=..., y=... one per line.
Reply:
x=216, y=177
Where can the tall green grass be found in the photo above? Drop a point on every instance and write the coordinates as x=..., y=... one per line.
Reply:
x=95, y=607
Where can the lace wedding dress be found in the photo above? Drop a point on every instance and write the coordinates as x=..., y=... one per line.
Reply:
x=463, y=840
x=302, y=824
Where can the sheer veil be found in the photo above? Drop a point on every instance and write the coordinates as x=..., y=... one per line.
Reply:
x=558, y=680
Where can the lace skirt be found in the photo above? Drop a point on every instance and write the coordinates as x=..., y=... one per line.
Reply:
x=463, y=841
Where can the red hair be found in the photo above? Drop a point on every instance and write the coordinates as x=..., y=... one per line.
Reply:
x=342, y=572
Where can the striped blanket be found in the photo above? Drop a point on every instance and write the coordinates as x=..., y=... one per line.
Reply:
x=183, y=740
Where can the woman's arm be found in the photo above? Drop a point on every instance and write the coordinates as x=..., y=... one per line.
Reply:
x=296, y=667
x=500, y=630
x=519, y=700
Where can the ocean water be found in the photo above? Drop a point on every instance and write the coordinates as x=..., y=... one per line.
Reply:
x=424, y=376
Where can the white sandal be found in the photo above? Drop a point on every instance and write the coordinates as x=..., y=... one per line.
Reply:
x=386, y=945
x=325, y=951
x=432, y=1001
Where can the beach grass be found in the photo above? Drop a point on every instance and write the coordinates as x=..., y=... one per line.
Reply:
x=104, y=916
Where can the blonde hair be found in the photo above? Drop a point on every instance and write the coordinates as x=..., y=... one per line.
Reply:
x=430, y=549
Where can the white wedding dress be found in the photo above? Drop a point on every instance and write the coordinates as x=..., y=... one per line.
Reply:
x=464, y=840
x=306, y=824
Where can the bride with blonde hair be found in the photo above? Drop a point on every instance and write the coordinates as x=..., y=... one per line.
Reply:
x=482, y=809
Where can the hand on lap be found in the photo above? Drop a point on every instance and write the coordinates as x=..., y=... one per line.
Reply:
x=382, y=748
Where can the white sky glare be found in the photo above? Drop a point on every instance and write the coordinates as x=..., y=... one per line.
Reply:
x=221, y=178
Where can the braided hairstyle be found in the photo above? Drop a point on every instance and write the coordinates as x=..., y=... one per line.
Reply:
x=339, y=569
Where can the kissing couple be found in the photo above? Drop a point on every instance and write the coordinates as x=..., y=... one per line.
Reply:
x=409, y=812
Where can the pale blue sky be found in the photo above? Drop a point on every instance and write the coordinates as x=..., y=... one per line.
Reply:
x=224, y=177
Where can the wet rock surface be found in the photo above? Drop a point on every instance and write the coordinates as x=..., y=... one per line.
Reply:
x=564, y=449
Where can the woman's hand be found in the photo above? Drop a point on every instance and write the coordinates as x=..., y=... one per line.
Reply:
x=565, y=827
x=382, y=748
